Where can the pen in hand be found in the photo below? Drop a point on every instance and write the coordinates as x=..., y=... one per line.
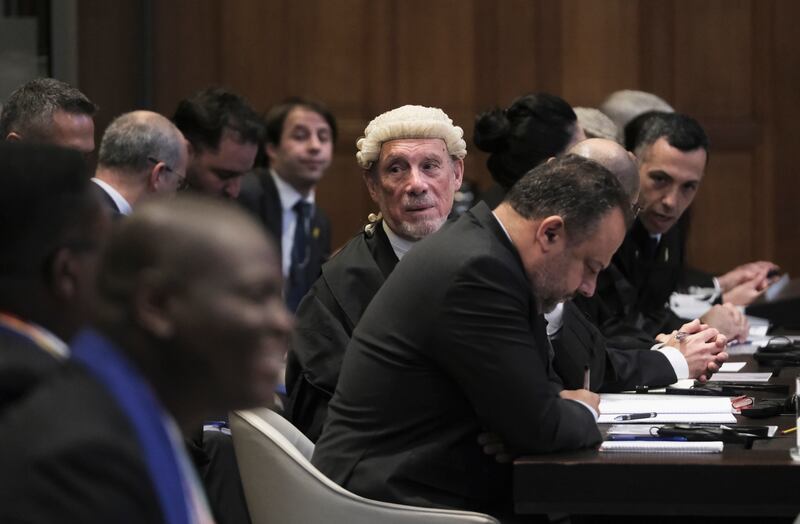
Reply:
x=635, y=416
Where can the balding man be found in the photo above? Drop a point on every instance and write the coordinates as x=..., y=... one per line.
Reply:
x=190, y=322
x=141, y=153
x=51, y=232
x=579, y=344
x=412, y=162
x=48, y=111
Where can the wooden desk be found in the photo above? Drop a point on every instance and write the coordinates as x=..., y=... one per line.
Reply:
x=762, y=481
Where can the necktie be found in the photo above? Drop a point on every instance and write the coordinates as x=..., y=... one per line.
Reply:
x=298, y=279
x=652, y=247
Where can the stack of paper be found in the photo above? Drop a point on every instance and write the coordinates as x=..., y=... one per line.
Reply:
x=641, y=446
x=740, y=377
x=615, y=408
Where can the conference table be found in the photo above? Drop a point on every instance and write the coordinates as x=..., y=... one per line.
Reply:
x=762, y=481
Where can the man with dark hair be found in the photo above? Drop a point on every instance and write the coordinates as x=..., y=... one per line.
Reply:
x=299, y=145
x=46, y=110
x=223, y=132
x=672, y=150
x=412, y=162
x=579, y=344
x=190, y=322
x=51, y=230
x=457, y=330
x=142, y=153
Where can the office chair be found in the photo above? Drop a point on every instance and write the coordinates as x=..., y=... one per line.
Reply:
x=281, y=485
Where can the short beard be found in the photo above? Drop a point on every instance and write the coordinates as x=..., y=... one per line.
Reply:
x=419, y=230
x=545, y=286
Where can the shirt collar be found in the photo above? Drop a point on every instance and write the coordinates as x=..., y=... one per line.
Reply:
x=287, y=194
x=122, y=204
x=400, y=246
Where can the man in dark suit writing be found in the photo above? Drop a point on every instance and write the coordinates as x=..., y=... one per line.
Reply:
x=457, y=330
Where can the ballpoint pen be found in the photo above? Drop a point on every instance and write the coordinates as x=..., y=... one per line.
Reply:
x=636, y=416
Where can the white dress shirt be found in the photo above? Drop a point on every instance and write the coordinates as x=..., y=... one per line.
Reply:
x=288, y=197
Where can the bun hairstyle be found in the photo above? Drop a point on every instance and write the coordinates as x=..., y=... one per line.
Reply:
x=534, y=128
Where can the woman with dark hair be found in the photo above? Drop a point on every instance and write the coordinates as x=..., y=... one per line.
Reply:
x=534, y=128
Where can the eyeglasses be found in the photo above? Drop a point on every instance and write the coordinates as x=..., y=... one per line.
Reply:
x=182, y=183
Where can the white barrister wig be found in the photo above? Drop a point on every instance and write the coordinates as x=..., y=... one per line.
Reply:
x=409, y=122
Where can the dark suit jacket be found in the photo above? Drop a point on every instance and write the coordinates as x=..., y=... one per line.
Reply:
x=260, y=196
x=23, y=365
x=580, y=344
x=325, y=322
x=452, y=345
x=106, y=200
x=630, y=305
x=70, y=456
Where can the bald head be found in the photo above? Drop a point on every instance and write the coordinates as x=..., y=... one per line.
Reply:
x=142, y=152
x=192, y=288
x=613, y=157
x=182, y=240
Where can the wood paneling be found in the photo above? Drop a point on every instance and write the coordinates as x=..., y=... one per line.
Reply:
x=733, y=64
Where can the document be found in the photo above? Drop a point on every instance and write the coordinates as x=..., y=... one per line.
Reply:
x=731, y=367
x=622, y=408
x=644, y=446
x=740, y=377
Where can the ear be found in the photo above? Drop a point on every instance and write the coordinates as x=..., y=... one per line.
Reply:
x=62, y=275
x=550, y=234
x=372, y=185
x=13, y=137
x=155, y=178
x=152, y=303
x=271, y=151
x=458, y=167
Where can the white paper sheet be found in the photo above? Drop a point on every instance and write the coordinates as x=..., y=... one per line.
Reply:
x=731, y=367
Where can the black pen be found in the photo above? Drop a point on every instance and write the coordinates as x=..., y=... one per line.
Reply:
x=636, y=416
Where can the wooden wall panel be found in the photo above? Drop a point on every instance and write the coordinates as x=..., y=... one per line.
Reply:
x=720, y=234
x=597, y=52
x=784, y=117
x=733, y=64
x=107, y=49
x=713, y=58
x=186, y=50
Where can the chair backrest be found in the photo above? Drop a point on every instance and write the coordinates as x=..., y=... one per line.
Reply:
x=281, y=484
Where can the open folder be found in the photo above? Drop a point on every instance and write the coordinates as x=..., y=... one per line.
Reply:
x=621, y=408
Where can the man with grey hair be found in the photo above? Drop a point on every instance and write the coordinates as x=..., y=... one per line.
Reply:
x=141, y=153
x=625, y=105
x=412, y=158
x=46, y=110
x=595, y=123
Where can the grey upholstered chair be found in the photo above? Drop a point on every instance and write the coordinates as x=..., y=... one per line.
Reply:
x=281, y=485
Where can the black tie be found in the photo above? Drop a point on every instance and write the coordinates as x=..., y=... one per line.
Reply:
x=652, y=247
x=298, y=278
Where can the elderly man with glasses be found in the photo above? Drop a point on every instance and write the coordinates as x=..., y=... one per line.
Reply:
x=141, y=153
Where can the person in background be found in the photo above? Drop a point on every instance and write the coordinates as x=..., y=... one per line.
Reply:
x=49, y=111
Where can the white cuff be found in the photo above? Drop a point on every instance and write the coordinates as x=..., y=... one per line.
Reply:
x=587, y=406
x=717, y=287
x=676, y=360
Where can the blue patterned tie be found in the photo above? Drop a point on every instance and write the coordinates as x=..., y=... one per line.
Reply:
x=298, y=278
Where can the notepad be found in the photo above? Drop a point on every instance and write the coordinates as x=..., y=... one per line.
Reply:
x=731, y=367
x=668, y=408
x=644, y=446
x=740, y=377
